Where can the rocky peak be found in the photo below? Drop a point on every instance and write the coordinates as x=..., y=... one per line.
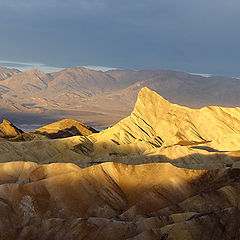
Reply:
x=8, y=130
x=157, y=123
x=149, y=101
x=176, y=123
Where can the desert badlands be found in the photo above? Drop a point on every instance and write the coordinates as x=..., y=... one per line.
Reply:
x=164, y=172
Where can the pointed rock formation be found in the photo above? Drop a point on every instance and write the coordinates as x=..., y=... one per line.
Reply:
x=174, y=123
x=156, y=123
x=8, y=130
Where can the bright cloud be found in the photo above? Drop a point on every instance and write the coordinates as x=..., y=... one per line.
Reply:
x=99, y=68
x=24, y=66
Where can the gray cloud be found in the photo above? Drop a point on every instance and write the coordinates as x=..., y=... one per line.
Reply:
x=193, y=36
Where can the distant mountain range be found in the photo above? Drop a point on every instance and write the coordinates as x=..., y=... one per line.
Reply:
x=103, y=98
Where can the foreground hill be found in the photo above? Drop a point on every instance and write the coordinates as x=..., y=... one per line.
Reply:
x=116, y=201
x=103, y=98
x=188, y=188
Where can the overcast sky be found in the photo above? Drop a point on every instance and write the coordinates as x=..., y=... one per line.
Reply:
x=187, y=35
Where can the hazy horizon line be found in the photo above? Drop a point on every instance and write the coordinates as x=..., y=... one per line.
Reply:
x=25, y=66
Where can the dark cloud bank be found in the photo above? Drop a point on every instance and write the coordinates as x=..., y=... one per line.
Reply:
x=193, y=36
